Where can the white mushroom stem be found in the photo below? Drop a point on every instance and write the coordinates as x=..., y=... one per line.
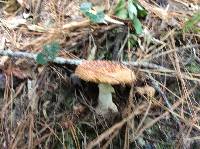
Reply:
x=105, y=102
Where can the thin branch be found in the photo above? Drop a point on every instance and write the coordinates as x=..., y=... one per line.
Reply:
x=60, y=60
x=167, y=102
x=19, y=54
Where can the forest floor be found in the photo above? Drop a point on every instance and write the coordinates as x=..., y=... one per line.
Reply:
x=44, y=104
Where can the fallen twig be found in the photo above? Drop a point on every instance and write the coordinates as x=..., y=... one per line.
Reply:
x=60, y=60
x=168, y=104
x=19, y=54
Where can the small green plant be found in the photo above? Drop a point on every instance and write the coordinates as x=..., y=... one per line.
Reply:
x=97, y=17
x=191, y=24
x=48, y=53
x=193, y=67
x=131, y=10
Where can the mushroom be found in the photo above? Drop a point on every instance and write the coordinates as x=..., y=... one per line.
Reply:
x=105, y=73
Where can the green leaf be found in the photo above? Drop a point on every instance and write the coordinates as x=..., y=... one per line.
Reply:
x=132, y=9
x=121, y=10
x=96, y=18
x=141, y=11
x=99, y=17
x=139, y=7
x=51, y=50
x=123, y=14
x=137, y=25
x=48, y=53
x=121, y=5
x=41, y=59
x=86, y=6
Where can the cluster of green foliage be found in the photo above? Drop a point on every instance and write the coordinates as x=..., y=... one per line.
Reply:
x=96, y=18
x=48, y=53
x=131, y=10
x=127, y=10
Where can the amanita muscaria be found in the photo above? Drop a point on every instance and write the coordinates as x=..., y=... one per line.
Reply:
x=105, y=73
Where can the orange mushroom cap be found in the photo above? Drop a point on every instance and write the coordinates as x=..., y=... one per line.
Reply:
x=101, y=71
